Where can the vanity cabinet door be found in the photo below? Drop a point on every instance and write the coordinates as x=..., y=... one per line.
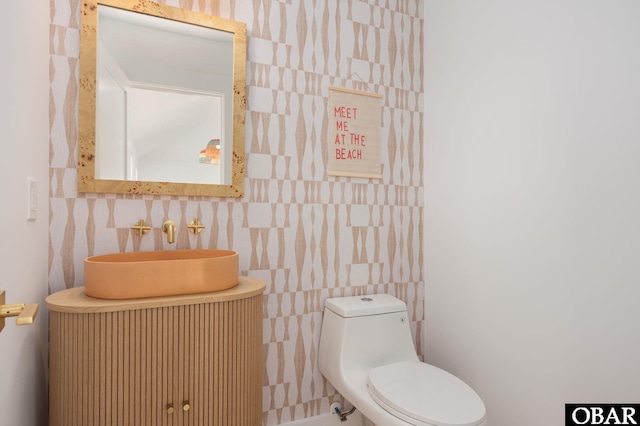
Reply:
x=221, y=372
x=113, y=368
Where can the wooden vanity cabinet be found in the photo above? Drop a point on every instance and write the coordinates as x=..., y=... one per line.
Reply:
x=181, y=360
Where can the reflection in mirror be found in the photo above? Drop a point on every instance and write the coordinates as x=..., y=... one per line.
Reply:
x=167, y=114
x=152, y=147
x=153, y=155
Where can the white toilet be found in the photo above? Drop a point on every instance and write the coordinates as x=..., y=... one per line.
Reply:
x=367, y=354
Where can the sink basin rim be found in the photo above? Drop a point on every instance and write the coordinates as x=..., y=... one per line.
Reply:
x=159, y=256
x=133, y=275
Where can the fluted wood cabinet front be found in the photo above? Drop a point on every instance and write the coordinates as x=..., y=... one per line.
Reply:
x=187, y=361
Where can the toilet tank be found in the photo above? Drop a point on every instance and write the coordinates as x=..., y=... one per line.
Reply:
x=358, y=306
x=363, y=332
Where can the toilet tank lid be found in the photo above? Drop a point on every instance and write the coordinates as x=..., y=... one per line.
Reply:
x=369, y=304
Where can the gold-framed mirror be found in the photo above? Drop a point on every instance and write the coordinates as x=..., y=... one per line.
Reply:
x=162, y=100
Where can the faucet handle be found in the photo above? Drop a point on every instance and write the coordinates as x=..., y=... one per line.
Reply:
x=141, y=227
x=195, y=226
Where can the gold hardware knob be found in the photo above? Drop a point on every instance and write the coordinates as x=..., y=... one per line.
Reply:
x=141, y=227
x=186, y=406
x=195, y=226
x=169, y=409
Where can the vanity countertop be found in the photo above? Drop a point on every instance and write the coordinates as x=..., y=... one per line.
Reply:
x=75, y=300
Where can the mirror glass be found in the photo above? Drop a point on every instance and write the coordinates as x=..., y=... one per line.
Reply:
x=162, y=100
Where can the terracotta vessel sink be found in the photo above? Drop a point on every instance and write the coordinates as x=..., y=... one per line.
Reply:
x=159, y=273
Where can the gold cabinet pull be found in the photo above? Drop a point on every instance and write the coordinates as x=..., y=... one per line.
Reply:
x=169, y=409
x=186, y=406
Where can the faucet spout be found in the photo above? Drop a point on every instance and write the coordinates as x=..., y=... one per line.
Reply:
x=169, y=228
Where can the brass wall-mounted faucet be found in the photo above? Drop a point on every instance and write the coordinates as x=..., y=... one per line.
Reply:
x=169, y=227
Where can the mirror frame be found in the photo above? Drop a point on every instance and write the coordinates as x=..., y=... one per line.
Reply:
x=87, y=102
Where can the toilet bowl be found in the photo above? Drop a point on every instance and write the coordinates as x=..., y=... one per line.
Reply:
x=367, y=354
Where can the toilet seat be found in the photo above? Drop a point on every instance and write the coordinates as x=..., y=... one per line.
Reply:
x=422, y=394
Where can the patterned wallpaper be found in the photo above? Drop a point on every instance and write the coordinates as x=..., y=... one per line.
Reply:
x=308, y=235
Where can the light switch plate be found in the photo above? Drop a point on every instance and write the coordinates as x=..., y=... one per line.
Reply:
x=32, y=199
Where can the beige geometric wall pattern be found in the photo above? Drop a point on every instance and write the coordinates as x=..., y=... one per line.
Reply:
x=308, y=235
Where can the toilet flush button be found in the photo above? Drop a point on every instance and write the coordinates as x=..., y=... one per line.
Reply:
x=366, y=299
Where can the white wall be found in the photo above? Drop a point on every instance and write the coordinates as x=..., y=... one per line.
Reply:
x=24, y=133
x=532, y=173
